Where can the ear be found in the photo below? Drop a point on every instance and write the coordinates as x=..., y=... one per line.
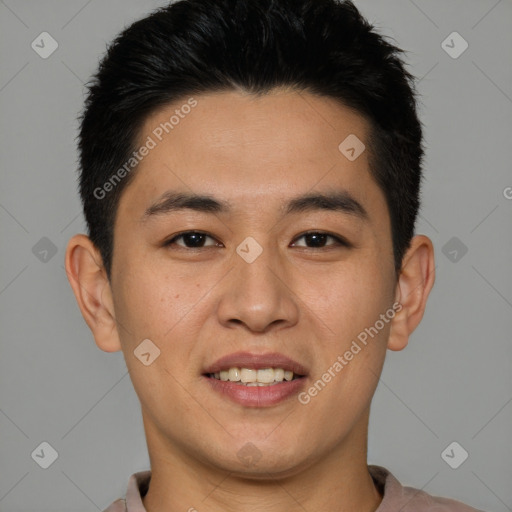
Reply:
x=415, y=281
x=88, y=279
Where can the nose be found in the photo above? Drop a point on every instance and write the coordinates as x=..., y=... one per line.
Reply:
x=259, y=295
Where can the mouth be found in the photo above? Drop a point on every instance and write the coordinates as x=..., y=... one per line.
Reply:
x=256, y=380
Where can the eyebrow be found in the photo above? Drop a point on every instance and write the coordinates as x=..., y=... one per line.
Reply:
x=339, y=201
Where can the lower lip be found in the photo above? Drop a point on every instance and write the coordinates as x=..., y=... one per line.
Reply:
x=257, y=396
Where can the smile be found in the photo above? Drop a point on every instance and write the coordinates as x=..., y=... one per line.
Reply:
x=251, y=377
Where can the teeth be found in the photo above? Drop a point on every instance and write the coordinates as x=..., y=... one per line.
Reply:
x=266, y=376
x=247, y=375
x=234, y=375
x=251, y=377
x=278, y=374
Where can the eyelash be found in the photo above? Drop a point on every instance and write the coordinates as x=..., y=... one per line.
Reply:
x=339, y=242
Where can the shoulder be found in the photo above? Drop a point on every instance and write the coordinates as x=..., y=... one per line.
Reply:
x=420, y=500
x=138, y=485
x=408, y=499
x=118, y=506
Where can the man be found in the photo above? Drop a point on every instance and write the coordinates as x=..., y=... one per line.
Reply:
x=250, y=175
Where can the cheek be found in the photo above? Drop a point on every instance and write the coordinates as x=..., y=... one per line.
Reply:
x=351, y=299
x=151, y=303
x=354, y=300
x=153, y=307
x=160, y=308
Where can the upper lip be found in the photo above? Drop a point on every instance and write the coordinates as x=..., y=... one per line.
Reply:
x=256, y=362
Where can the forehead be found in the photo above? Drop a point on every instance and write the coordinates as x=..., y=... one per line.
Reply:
x=249, y=148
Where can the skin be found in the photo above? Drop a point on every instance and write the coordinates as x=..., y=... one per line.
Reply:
x=306, y=302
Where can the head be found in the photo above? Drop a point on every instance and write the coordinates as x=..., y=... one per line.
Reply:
x=283, y=135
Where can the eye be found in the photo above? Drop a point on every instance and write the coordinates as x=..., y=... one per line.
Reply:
x=192, y=240
x=318, y=239
x=198, y=240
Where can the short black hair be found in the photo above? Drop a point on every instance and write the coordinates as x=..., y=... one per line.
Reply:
x=324, y=47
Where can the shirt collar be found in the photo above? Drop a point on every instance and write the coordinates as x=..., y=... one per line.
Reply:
x=388, y=486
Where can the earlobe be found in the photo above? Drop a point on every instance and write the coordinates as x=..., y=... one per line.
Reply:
x=414, y=284
x=91, y=287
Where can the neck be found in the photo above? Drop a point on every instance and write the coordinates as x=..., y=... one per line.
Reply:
x=338, y=481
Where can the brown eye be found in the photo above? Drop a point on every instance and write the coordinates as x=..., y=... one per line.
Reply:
x=191, y=240
x=318, y=240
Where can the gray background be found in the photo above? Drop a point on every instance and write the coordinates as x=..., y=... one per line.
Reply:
x=452, y=383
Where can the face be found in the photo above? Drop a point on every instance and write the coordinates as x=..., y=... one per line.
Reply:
x=258, y=271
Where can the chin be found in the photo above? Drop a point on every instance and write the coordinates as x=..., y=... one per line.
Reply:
x=263, y=460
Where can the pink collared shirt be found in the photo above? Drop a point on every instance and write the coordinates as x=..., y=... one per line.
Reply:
x=396, y=498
